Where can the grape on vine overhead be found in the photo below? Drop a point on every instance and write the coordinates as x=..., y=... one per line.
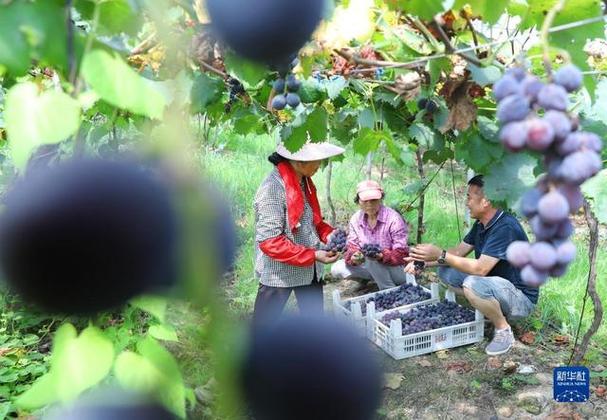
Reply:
x=534, y=116
x=286, y=92
x=268, y=31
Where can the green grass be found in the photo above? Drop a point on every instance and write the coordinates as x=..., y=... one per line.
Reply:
x=241, y=166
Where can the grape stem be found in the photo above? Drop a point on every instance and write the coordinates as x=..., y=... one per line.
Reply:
x=212, y=69
x=424, y=30
x=422, y=60
x=545, y=33
x=450, y=49
x=71, y=59
x=578, y=353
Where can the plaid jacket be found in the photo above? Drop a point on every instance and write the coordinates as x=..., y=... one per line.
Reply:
x=270, y=206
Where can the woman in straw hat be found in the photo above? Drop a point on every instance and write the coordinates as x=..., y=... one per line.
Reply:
x=375, y=224
x=288, y=230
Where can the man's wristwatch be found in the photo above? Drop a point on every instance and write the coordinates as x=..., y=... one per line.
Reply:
x=441, y=259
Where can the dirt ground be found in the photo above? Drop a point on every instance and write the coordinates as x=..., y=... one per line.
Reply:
x=465, y=383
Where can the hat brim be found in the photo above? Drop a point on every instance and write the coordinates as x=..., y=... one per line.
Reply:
x=311, y=151
x=369, y=195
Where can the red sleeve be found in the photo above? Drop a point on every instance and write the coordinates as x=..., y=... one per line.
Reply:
x=281, y=249
x=394, y=256
x=349, y=252
x=324, y=230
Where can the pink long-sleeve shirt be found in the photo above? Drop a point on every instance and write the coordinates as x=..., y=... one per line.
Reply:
x=390, y=233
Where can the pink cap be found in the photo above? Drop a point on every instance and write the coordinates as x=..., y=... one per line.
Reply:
x=369, y=190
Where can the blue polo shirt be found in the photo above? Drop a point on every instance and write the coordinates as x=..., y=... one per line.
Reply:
x=493, y=240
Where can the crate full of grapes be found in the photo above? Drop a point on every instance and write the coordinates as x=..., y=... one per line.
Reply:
x=354, y=310
x=412, y=331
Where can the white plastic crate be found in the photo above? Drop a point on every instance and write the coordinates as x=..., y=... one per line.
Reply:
x=354, y=316
x=399, y=346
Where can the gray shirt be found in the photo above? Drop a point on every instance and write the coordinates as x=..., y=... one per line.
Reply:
x=270, y=206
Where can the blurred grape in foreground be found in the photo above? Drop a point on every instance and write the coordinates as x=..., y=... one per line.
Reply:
x=269, y=31
x=87, y=235
x=310, y=368
x=112, y=406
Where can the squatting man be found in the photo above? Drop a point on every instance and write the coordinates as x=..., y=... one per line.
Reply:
x=489, y=282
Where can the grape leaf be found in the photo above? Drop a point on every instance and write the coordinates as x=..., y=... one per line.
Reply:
x=334, y=86
x=163, y=332
x=478, y=153
x=120, y=85
x=155, y=305
x=571, y=40
x=32, y=31
x=314, y=128
x=34, y=118
x=368, y=140
x=115, y=16
x=206, y=90
x=343, y=131
x=484, y=76
x=173, y=390
x=415, y=41
x=394, y=148
x=250, y=74
x=599, y=108
x=425, y=9
x=509, y=178
x=82, y=363
x=42, y=392
x=366, y=118
x=490, y=11
x=488, y=128
x=135, y=372
x=310, y=91
x=423, y=134
x=595, y=189
x=246, y=122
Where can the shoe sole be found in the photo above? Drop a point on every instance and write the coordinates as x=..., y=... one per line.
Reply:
x=497, y=353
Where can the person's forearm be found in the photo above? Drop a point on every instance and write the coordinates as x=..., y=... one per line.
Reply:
x=463, y=264
x=452, y=251
x=455, y=251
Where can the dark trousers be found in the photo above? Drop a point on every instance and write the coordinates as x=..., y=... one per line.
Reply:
x=270, y=301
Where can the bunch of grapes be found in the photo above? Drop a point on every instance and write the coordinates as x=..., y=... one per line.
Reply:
x=290, y=97
x=431, y=317
x=534, y=117
x=337, y=242
x=427, y=104
x=403, y=295
x=370, y=250
x=235, y=88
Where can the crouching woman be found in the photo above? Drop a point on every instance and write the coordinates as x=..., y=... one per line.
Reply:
x=374, y=224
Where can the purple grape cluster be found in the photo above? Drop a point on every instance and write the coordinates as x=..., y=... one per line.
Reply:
x=337, y=242
x=430, y=317
x=291, y=85
x=235, y=89
x=428, y=105
x=534, y=117
x=371, y=250
x=403, y=295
